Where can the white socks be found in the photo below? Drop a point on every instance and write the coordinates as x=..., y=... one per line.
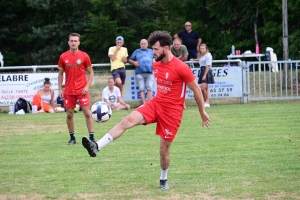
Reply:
x=163, y=174
x=105, y=140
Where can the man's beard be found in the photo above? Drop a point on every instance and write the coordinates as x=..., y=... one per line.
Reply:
x=159, y=58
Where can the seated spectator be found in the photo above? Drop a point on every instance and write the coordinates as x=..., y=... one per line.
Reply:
x=112, y=96
x=44, y=99
x=179, y=50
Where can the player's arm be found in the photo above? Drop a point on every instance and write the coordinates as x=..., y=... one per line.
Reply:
x=89, y=81
x=176, y=36
x=200, y=102
x=60, y=81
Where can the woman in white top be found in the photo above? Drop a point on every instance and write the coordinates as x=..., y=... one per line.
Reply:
x=205, y=74
x=44, y=99
x=112, y=96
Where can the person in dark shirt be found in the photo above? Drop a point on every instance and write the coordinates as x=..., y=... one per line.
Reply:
x=191, y=39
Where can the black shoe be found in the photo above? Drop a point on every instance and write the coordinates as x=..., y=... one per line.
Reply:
x=72, y=141
x=164, y=185
x=90, y=146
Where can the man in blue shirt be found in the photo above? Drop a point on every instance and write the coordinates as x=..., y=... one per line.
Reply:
x=191, y=39
x=142, y=59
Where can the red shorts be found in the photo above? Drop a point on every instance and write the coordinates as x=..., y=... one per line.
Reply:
x=70, y=100
x=167, y=120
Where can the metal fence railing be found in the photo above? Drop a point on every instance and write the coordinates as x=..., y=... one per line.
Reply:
x=272, y=80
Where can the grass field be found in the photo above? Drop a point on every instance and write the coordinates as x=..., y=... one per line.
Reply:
x=251, y=151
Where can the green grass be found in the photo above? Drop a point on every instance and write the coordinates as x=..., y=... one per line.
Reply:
x=250, y=151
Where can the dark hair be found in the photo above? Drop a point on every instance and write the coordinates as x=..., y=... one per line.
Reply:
x=163, y=37
x=47, y=81
x=74, y=34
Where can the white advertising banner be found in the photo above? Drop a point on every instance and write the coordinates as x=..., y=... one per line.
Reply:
x=228, y=82
x=14, y=86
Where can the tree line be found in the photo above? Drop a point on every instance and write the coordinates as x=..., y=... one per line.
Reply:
x=35, y=32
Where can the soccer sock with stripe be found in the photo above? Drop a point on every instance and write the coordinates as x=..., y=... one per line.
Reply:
x=72, y=135
x=105, y=140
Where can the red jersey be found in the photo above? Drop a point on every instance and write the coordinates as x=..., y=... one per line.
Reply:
x=171, y=79
x=75, y=66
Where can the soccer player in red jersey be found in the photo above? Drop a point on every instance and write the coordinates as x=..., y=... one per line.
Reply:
x=166, y=108
x=74, y=63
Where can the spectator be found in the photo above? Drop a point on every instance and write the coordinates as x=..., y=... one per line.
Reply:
x=205, y=74
x=118, y=57
x=179, y=50
x=190, y=39
x=142, y=59
x=75, y=63
x=112, y=96
x=44, y=99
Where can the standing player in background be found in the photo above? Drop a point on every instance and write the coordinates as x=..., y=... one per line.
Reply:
x=166, y=108
x=118, y=57
x=74, y=63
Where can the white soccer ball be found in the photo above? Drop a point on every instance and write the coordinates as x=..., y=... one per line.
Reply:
x=101, y=112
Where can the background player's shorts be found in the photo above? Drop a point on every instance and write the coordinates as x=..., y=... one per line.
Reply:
x=70, y=100
x=167, y=121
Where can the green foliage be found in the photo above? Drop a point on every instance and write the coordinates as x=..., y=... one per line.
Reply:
x=36, y=30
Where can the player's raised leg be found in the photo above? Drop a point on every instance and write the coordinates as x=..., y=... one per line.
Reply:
x=133, y=119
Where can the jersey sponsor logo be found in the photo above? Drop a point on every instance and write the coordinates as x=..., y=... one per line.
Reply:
x=163, y=89
x=78, y=61
x=167, y=75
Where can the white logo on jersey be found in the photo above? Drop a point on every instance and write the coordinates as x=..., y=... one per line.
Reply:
x=66, y=101
x=84, y=100
x=66, y=61
x=167, y=75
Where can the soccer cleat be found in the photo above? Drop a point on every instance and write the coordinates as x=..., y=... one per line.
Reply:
x=90, y=146
x=72, y=141
x=164, y=185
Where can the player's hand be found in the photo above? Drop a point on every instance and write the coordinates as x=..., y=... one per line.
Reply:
x=118, y=48
x=85, y=90
x=205, y=120
x=61, y=93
